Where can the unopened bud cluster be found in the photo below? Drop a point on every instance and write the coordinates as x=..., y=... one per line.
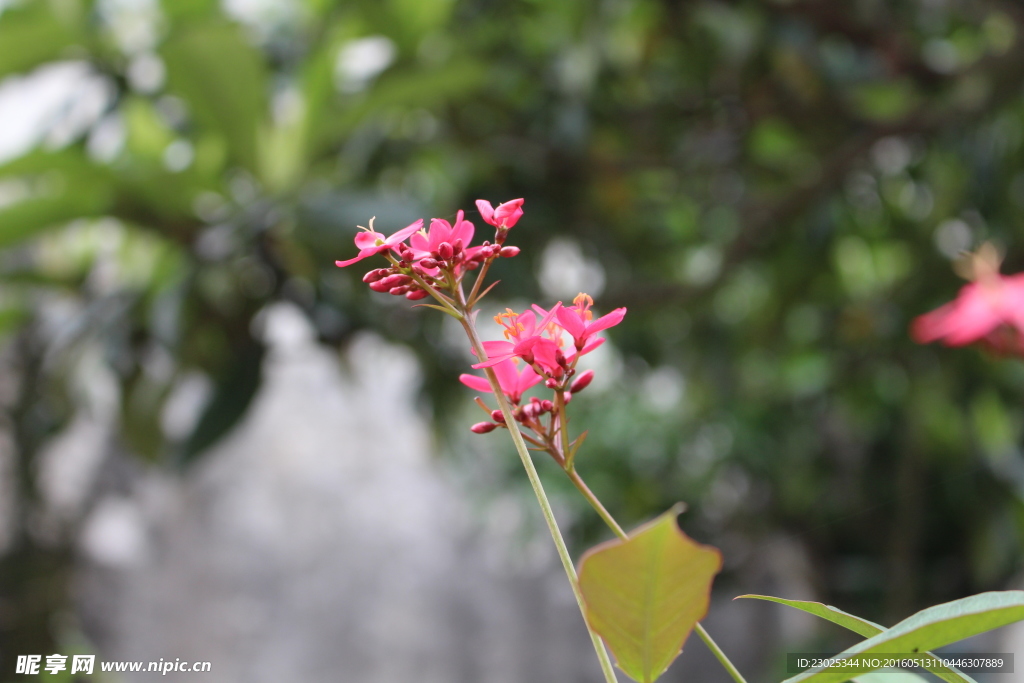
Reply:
x=435, y=260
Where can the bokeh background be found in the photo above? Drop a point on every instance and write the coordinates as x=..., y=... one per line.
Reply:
x=216, y=443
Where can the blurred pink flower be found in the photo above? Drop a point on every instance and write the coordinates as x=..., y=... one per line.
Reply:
x=990, y=310
x=513, y=382
x=370, y=242
x=504, y=216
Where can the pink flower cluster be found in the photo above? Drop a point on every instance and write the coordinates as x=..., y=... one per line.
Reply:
x=539, y=346
x=430, y=257
x=989, y=311
x=535, y=339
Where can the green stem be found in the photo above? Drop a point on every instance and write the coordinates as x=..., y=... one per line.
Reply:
x=538, y=489
x=717, y=651
x=577, y=480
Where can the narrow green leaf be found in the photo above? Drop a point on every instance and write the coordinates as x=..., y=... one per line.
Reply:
x=932, y=628
x=573, y=447
x=836, y=616
x=484, y=293
x=860, y=626
x=25, y=219
x=644, y=595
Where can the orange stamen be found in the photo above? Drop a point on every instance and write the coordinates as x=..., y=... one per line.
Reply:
x=583, y=302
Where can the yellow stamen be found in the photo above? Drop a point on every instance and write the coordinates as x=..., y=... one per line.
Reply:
x=513, y=327
x=583, y=302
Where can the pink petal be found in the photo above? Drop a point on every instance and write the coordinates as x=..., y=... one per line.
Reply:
x=404, y=233
x=540, y=311
x=486, y=210
x=475, y=382
x=967, y=319
x=419, y=243
x=496, y=351
x=463, y=230
x=440, y=231
x=570, y=319
x=527, y=378
x=362, y=254
x=591, y=344
x=549, y=316
x=526, y=346
x=368, y=240
x=606, y=321
x=529, y=322
x=544, y=353
x=508, y=377
x=509, y=213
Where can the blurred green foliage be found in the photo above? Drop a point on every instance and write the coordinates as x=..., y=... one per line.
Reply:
x=773, y=188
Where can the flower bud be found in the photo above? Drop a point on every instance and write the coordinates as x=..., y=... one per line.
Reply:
x=406, y=253
x=395, y=280
x=551, y=383
x=375, y=274
x=582, y=382
x=560, y=358
x=472, y=265
x=416, y=294
x=399, y=291
x=509, y=252
x=458, y=246
x=497, y=416
x=428, y=263
x=445, y=251
x=567, y=396
x=379, y=286
x=483, y=427
x=547, y=406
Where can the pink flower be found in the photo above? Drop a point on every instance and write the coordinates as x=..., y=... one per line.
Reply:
x=513, y=382
x=370, y=242
x=505, y=216
x=987, y=310
x=577, y=322
x=523, y=331
x=441, y=232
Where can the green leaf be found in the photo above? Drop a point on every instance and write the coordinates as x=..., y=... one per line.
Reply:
x=234, y=391
x=857, y=625
x=836, y=616
x=28, y=218
x=420, y=89
x=644, y=595
x=31, y=36
x=932, y=628
x=885, y=101
x=222, y=77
